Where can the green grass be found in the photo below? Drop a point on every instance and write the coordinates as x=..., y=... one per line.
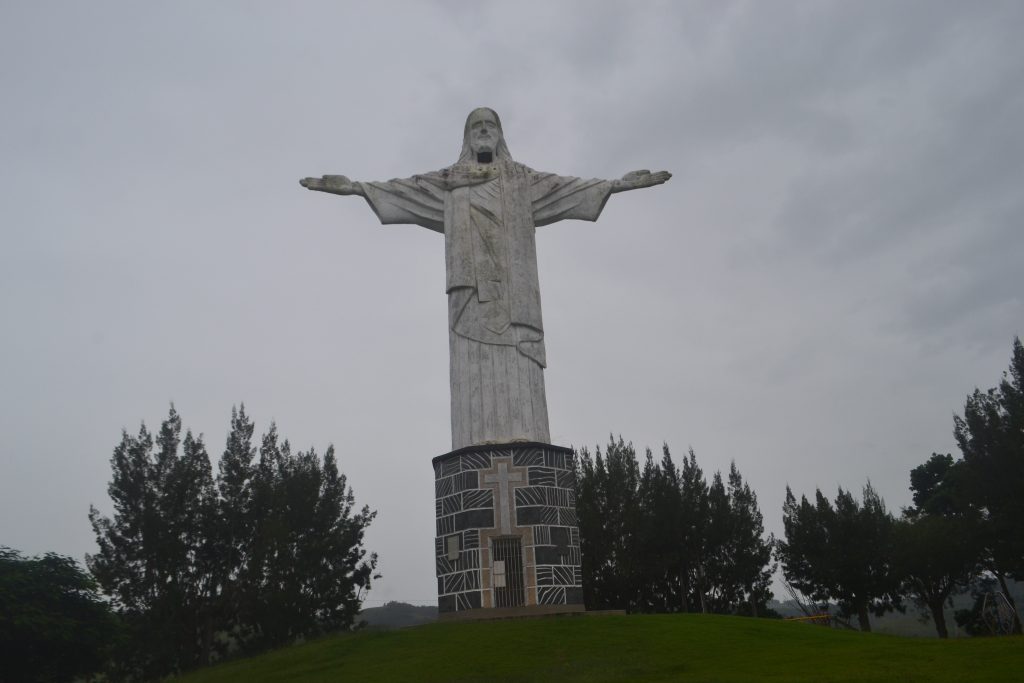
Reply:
x=691, y=648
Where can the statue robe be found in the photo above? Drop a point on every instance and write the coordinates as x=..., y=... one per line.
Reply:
x=488, y=214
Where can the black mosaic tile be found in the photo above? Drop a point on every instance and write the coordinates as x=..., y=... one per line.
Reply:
x=554, y=459
x=548, y=554
x=470, y=539
x=443, y=487
x=550, y=595
x=480, y=498
x=474, y=519
x=443, y=565
x=470, y=600
x=541, y=476
x=461, y=581
x=450, y=467
x=464, y=481
x=451, y=504
x=475, y=461
x=566, y=479
x=542, y=535
x=573, y=596
x=530, y=495
x=437, y=470
x=536, y=514
x=445, y=525
x=560, y=536
x=545, y=577
x=567, y=516
x=559, y=497
x=469, y=559
x=534, y=456
x=563, y=575
x=445, y=603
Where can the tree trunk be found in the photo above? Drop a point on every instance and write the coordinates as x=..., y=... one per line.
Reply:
x=939, y=616
x=862, y=617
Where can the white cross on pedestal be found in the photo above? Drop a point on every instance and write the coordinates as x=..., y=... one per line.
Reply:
x=504, y=479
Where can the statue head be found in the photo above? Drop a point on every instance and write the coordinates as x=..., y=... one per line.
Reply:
x=482, y=138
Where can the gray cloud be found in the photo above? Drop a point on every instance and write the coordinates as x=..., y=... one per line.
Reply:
x=832, y=269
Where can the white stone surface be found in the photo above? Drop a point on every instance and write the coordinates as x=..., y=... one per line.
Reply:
x=487, y=206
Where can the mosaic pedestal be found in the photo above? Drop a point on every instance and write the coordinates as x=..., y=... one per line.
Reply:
x=507, y=537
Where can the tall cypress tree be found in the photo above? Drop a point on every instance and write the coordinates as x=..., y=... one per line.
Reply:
x=750, y=552
x=236, y=519
x=695, y=520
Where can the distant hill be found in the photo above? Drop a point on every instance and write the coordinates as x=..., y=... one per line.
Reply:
x=398, y=615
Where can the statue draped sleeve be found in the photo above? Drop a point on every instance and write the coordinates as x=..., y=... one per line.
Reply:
x=555, y=198
x=418, y=200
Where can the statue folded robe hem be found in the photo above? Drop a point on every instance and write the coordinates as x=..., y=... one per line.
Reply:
x=488, y=206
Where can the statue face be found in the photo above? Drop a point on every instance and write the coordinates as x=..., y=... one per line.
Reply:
x=484, y=134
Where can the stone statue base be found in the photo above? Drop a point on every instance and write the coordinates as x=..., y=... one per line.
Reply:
x=507, y=536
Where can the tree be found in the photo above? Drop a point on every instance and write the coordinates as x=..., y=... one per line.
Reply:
x=693, y=489
x=607, y=496
x=934, y=556
x=53, y=625
x=236, y=520
x=750, y=553
x=991, y=437
x=661, y=540
x=267, y=553
x=940, y=542
x=841, y=553
x=156, y=554
x=307, y=570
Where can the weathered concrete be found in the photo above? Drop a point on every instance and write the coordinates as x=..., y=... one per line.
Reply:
x=488, y=207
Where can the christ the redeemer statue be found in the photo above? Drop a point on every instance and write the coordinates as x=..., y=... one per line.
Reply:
x=488, y=206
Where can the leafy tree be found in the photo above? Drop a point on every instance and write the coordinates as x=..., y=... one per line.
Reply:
x=267, y=553
x=936, y=555
x=307, y=570
x=156, y=553
x=53, y=625
x=841, y=553
x=991, y=437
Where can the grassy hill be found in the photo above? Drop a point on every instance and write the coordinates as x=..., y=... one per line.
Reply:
x=687, y=647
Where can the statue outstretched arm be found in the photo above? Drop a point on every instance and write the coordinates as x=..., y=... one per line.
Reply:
x=635, y=180
x=409, y=200
x=335, y=184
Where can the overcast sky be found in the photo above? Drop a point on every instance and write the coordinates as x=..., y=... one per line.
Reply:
x=835, y=265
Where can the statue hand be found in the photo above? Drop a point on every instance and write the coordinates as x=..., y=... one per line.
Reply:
x=634, y=180
x=335, y=184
